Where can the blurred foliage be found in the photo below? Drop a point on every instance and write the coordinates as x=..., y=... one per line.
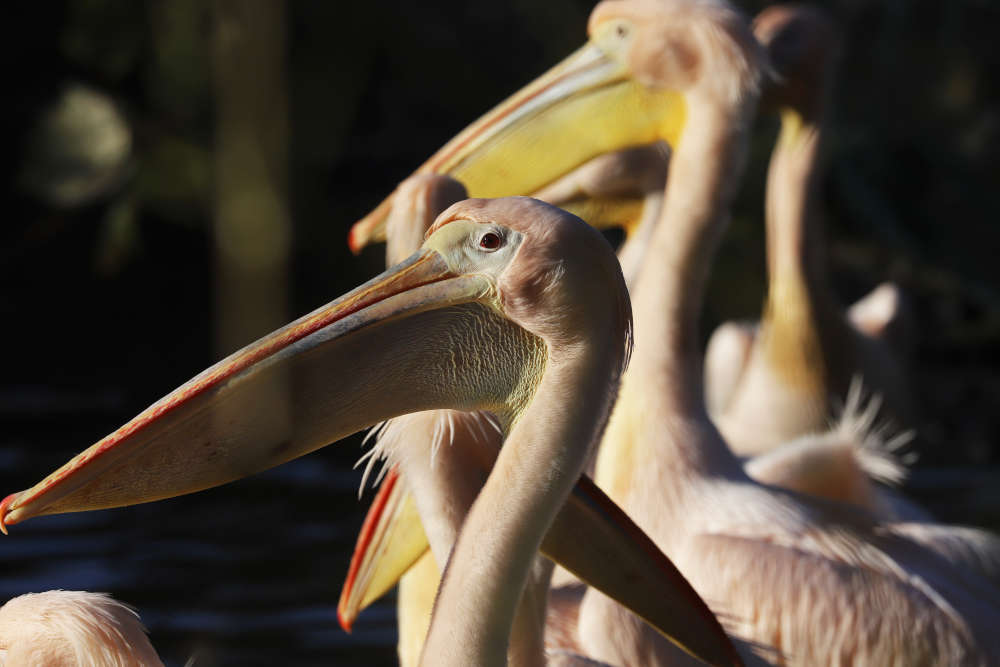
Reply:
x=104, y=37
x=79, y=149
x=375, y=87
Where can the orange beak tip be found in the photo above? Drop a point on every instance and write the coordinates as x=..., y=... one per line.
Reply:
x=4, y=508
x=345, y=622
x=353, y=241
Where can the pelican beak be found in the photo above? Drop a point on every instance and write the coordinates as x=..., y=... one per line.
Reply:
x=391, y=541
x=591, y=537
x=316, y=380
x=595, y=540
x=585, y=106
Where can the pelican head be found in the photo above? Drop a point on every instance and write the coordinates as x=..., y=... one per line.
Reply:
x=461, y=323
x=672, y=45
x=804, y=46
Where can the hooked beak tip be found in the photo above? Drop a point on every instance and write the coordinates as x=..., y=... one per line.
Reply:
x=354, y=242
x=4, y=510
x=347, y=623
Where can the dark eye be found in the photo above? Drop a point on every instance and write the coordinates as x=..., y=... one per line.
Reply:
x=490, y=241
x=621, y=31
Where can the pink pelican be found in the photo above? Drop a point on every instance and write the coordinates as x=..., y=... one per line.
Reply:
x=623, y=186
x=445, y=475
x=506, y=304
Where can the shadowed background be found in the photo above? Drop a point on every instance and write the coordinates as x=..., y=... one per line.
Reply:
x=180, y=179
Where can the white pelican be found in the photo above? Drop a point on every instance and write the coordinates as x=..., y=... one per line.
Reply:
x=507, y=303
x=622, y=187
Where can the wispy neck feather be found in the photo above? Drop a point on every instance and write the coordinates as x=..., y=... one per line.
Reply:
x=445, y=456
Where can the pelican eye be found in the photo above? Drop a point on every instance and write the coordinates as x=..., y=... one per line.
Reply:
x=490, y=241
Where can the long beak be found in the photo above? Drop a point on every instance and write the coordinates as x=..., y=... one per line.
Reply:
x=225, y=423
x=583, y=107
x=595, y=540
x=591, y=537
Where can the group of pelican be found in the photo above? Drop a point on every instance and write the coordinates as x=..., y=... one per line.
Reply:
x=506, y=352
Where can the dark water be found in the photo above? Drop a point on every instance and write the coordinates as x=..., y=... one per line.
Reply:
x=247, y=574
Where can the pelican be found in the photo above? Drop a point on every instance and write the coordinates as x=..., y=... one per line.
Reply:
x=767, y=384
x=445, y=475
x=507, y=303
x=71, y=628
x=770, y=394
x=808, y=581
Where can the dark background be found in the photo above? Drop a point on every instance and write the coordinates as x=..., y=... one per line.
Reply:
x=111, y=293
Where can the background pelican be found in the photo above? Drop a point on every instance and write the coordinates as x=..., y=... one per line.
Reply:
x=680, y=470
x=833, y=561
x=767, y=386
x=626, y=187
x=445, y=476
x=438, y=454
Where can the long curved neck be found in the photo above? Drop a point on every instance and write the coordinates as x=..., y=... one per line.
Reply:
x=537, y=467
x=794, y=243
x=801, y=307
x=665, y=373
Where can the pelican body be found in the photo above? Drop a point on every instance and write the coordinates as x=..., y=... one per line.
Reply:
x=506, y=304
